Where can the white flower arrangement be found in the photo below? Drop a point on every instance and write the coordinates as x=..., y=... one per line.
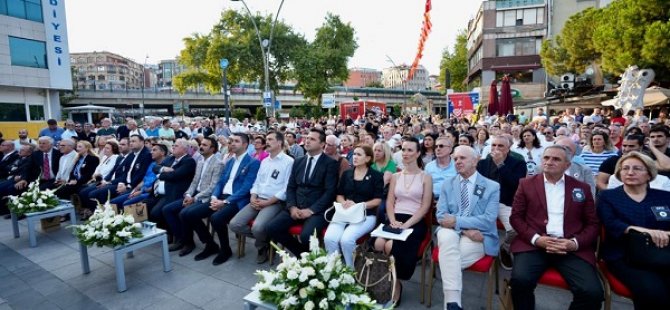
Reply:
x=106, y=228
x=314, y=281
x=33, y=200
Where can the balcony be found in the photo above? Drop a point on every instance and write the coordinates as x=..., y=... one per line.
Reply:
x=506, y=4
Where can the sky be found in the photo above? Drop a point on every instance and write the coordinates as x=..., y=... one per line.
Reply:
x=155, y=28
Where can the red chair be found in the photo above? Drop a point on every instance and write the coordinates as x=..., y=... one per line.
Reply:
x=551, y=277
x=424, y=247
x=612, y=284
x=486, y=264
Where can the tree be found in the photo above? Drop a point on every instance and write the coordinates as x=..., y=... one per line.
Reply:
x=324, y=61
x=235, y=39
x=375, y=84
x=456, y=62
x=625, y=33
x=260, y=114
x=573, y=50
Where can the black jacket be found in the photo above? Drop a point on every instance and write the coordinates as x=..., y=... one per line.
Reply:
x=86, y=170
x=35, y=169
x=6, y=163
x=508, y=175
x=318, y=193
x=177, y=181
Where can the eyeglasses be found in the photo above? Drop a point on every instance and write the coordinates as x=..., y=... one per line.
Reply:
x=636, y=169
x=439, y=146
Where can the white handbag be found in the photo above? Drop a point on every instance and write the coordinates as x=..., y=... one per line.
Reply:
x=352, y=215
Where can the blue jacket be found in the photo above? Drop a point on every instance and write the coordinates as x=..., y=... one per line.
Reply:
x=242, y=182
x=484, y=209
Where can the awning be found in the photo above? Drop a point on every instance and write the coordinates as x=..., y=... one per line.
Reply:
x=88, y=108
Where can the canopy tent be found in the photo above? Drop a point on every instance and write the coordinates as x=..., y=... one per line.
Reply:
x=86, y=113
x=653, y=96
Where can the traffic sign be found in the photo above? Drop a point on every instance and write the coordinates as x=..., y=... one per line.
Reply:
x=328, y=101
x=223, y=63
x=267, y=99
x=277, y=105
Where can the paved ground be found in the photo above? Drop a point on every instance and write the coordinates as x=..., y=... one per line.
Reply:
x=50, y=277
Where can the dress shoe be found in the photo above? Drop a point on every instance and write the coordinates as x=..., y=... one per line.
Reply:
x=210, y=249
x=188, y=248
x=223, y=256
x=453, y=306
x=8, y=216
x=176, y=246
x=262, y=256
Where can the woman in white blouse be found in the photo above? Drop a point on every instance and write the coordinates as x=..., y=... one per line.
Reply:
x=108, y=158
x=530, y=148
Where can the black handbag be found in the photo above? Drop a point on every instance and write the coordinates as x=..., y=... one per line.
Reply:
x=643, y=253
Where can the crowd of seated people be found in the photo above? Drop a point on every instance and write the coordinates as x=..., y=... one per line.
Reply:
x=536, y=193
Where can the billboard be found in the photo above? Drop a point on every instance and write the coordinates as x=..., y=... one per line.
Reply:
x=462, y=104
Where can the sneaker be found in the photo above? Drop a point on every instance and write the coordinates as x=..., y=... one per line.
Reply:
x=210, y=249
x=506, y=260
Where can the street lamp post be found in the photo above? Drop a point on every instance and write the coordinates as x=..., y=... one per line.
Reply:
x=223, y=63
x=265, y=43
x=143, y=80
x=403, y=81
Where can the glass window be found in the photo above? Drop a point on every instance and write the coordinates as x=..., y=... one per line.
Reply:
x=540, y=15
x=505, y=47
x=12, y=112
x=16, y=8
x=34, y=10
x=510, y=18
x=3, y=7
x=28, y=53
x=36, y=112
x=529, y=17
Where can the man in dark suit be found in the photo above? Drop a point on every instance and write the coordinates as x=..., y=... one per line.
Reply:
x=134, y=168
x=501, y=166
x=556, y=224
x=231, y=194
x=9, y=156
x=311, y=190
x=17, y=171
x=173, y=176
x=44, y=165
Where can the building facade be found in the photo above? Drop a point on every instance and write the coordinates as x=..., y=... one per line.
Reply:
x=362, y=77
x=106, y=71
x=167, y=69
x=505, y=38
x=34, y=59
x=396, y=77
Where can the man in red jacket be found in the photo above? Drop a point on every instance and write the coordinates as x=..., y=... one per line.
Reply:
x=555, y=219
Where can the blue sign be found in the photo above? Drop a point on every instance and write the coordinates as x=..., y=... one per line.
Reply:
x=223, y=63
x=277, y=105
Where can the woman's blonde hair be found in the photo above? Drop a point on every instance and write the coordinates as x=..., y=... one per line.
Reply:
x=387, y=153
x=646, y=160
x=89, y=148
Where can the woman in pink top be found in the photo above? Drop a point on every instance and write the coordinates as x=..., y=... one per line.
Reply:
x=259, y=146
x=409, y=199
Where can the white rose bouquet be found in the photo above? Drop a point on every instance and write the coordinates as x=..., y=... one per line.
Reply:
x=33, y=200
x=314, y=281
x=106, y=228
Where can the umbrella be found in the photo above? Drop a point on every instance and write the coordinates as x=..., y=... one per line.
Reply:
x=493, y=98
x=505, y=106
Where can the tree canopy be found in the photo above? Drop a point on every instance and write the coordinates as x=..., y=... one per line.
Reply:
x=625, y=33
x=456, y=61
x=313, y=64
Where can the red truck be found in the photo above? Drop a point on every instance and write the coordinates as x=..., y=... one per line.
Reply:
x=360, y=108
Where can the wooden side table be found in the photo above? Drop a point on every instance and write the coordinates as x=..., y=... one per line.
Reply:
x=64, y=208
x=149, y=237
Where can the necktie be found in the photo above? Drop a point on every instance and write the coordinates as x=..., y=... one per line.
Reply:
x=465, y=198
x=308, y=169
x=46, y=167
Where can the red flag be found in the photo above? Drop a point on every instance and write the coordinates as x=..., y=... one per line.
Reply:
x=428, y=5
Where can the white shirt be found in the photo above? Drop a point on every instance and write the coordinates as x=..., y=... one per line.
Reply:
x=132, y=165
x=228, y=189
x=555, y=195
x=65, y=166
x=471, y=187
x=316, y=159
x=138, y=132
x=7, y=155
x=273, y=176
x=68, y=134
x=106, y=165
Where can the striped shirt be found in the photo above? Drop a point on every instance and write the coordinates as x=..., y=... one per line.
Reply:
x=594, y=160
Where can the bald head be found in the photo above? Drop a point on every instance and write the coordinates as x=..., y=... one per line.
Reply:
x=567, y=142
x=465, y=159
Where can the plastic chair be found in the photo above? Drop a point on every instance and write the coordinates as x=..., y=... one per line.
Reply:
x=486, y=264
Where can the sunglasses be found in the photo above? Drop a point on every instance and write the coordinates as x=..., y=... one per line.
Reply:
x=439, y=146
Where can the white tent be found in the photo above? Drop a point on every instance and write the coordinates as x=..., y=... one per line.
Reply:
x=89, y=110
